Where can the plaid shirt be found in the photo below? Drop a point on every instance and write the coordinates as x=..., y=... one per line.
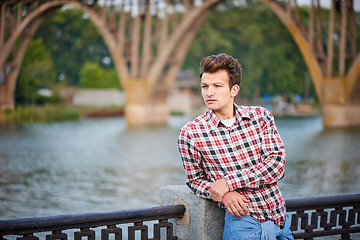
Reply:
x=250, y=155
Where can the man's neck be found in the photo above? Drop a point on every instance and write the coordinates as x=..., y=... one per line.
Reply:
x=223, y=115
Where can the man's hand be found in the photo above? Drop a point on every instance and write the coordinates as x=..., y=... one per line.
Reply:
x=218, y=189
x=235, y=203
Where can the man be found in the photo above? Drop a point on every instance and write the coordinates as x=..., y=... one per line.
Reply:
x=234, y=156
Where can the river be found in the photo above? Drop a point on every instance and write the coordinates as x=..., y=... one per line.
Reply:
x=100, y=165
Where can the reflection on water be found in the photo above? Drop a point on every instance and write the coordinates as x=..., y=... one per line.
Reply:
x=100, y=165
x=319, y=162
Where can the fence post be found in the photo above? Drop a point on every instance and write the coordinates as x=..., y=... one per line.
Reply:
x=203, y=219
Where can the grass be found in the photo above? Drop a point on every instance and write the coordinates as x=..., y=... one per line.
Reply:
x=56, y=113
x=47, y=113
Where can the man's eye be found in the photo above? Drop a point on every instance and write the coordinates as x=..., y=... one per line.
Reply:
x=204, y=86
x=218, y=85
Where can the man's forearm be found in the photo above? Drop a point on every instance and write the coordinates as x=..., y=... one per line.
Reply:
x=200, y=187
x=218, y=189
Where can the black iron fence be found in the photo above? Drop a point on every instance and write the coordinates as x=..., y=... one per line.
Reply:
x=86, y=223
x=325, y=216
x=310, y=218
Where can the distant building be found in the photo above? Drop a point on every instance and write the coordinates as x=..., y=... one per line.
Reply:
x=98, y=97
x=185, y=97
x=187, y=80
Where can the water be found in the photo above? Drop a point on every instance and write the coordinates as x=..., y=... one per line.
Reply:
x=100, y=165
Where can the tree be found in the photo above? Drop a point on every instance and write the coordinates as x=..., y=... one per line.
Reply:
x=94, y=76
x=37, y=71
x=72, y=40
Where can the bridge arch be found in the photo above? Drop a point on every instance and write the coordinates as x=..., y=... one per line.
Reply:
x=304, y=46
x=139, y=77
x=337, y=93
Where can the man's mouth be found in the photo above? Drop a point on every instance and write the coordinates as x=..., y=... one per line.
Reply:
x=210, y=100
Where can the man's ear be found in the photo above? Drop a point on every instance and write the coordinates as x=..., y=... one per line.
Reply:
x=235, y=90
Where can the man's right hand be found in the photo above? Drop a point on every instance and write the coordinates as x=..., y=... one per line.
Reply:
x=235, y=203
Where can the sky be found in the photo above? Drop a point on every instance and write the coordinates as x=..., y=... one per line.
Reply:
x=327, y=3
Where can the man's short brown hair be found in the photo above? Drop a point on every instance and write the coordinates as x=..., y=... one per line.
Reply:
x=214, y=63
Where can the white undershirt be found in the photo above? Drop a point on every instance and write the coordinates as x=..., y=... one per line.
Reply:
x=228, y=122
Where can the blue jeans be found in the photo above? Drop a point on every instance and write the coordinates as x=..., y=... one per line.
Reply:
x=249, y=228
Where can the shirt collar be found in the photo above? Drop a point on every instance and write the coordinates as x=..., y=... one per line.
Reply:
x=240, y=113
x=214, y=121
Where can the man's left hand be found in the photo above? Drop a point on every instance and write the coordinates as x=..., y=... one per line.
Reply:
x=218, y=189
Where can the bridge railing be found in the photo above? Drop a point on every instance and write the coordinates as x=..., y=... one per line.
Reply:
x=86, y=224
x=185, y=216
x=325, y=216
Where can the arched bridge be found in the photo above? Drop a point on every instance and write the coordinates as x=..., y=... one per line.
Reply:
x=148, y=40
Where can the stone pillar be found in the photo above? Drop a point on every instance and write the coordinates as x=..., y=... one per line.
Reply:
x=203, y=219
x=337, y=115
x=143, y=106
x=337, y=110
x=7, y=100
x=146, y=114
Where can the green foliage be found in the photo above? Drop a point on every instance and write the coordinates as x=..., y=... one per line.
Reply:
x=47, y=113
x=94, y=76
x=271, y=61
x=37, y=71
x=73, y=40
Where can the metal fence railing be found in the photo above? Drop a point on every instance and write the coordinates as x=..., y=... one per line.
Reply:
x=85, y=224
x=325, y=216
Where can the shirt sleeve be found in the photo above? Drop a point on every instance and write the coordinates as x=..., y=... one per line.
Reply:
x=271, y=165
x=191, y=159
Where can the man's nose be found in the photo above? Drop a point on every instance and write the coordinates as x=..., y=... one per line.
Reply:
x=210, y=91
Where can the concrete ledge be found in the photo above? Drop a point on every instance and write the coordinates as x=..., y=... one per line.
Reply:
x=204, y=220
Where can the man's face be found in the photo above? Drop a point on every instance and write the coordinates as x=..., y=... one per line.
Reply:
x=216, y=92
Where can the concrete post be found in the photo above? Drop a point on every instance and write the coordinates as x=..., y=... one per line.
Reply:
x=203, y=219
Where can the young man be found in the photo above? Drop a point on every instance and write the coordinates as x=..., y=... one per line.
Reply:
x=234, y=156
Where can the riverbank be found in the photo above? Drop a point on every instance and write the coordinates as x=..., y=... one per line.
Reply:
x=57, y=113
x=299, y=110
x=60, y=113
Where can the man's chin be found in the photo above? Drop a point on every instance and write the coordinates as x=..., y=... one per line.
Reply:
x=211, y=107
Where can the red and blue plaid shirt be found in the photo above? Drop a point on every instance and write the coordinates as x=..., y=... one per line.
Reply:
x=250, y=155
